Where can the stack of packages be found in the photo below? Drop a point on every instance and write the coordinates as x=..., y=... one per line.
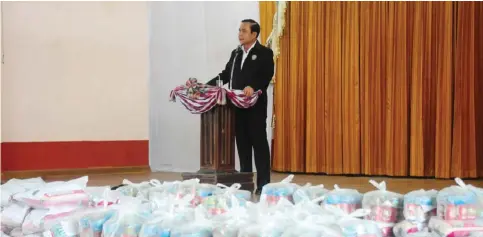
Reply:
x=13, y=212
x=385, y=207
x=459, y=211
x=419, y=207
x=188, y=208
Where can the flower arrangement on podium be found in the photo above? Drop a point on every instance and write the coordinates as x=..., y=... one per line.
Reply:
x=199, y=98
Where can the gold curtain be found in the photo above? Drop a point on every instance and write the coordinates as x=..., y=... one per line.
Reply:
x=380, y=88
x=267, y=11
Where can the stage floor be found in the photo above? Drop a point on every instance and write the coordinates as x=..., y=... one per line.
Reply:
x=401, y=185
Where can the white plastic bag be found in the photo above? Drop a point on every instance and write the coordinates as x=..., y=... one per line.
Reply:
x=39, y=220
x=455, y=228
x=172, y=213
x=385, y=206
x=134, y=189
x=347, y=200
x=14, y=186
x=201, y=226
x=459, y=202
x=268, y=220
x=230, y=222
x=273, y=192
x=131, y=214
x=314, y=226
x=56, y=194
x=14, y=214
x=312, y=192
x=406, y=228
x=420, y=205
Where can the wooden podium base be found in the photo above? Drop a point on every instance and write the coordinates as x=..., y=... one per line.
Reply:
x=226, y=178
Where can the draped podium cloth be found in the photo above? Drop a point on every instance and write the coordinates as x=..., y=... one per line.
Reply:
x=199, y=98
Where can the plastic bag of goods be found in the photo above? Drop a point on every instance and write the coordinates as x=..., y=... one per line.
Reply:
x=55, y=194
x=314, y=226
x=347, y=200
x=268, y=220
x=312, y=192
x=175, y=213
x=385, y=206
x=311, y=206
x=131, y=189
x=406, y=227
x=191, y=187
x=459, y=202
x=273, y=192
x=3, y=234
x=91, y=224
x=420, y=205
x=17, y=232
x=201, y=226
x=39, y=220
x=352, y=225
x=14, y=214
x=131, y=214
x=14, y=186
x=221, y=200
x=455, y=228
x=99, y=195
x=230, y=222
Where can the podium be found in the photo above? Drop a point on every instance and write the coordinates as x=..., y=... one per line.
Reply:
x=217, y=145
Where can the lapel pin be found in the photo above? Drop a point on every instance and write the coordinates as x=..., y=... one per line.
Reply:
x=254, y=57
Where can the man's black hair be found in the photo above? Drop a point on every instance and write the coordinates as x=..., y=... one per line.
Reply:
x=254, y=26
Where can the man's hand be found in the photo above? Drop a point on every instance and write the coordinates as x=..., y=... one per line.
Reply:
x=248, y=91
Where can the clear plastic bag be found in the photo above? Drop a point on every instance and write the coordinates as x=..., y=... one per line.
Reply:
x=39, y=220
x=347, y=200
x=14, y=214
x=420, y=205
x=56, y=194
x=14, y=186
x=314, y=226
x=455, y=228
x=385, y=206
x=406, y=227
x=201, y=226
x=273, y=192
x=229, y=223
x=459, y=202
x=352, y=226
x=312, y=192
x=221, y=200
x=268, y=220
x=172, y=213
x=134, y=189
x=130, y=215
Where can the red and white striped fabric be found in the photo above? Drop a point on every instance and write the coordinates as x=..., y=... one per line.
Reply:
x=199, y=98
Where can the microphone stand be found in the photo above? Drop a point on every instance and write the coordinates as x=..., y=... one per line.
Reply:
x=233, y=65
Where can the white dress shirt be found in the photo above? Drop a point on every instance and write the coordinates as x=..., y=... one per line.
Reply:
x=245, y=54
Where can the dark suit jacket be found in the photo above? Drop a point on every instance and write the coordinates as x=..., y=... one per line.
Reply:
x=257, y=72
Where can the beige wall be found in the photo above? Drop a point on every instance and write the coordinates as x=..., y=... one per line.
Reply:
x=75, y=71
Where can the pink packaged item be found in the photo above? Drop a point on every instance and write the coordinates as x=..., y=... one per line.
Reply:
x=55, y=194
x=455, y=228
x=39, y=220
x=385, y=206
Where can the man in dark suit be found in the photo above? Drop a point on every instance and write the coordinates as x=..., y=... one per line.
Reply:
x=253, y=69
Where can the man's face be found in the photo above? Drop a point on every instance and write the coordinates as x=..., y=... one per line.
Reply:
x=245, y=34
